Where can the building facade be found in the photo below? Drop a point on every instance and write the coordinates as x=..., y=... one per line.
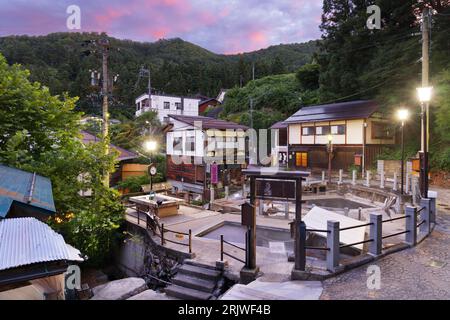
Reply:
x=357, y=130
x=165, y=105
x=195, y=144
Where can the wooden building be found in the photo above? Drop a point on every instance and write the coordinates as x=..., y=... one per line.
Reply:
x=357, y=128
x=196, y=144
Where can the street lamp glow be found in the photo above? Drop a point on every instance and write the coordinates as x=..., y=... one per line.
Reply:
x=424, y=94
x=150, y=145
x=403, y=114
x=330, y=138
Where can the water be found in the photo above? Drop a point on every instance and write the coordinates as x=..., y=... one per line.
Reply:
x=265, y=237
x=340, y=203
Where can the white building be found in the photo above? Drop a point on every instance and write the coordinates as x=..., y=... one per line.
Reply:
x=167, y=104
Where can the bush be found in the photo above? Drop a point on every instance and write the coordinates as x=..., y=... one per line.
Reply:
x=94, y=229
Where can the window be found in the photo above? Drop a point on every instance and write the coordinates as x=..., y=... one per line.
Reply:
x=177, y=143
x=178, y=106
x=338, y=129
x=166, y=105
x=138, y=106
x=381, y=130
x=322, y=130
x=190, y=143
x=301, y=159
x=166, y=119
x=307, y=131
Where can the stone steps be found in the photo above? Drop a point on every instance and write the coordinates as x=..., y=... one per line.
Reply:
x=183, y=280
x=199, y=272
x=195, y=281
x=186, y=293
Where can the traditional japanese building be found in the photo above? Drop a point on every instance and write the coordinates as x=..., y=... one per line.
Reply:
x=357, y=131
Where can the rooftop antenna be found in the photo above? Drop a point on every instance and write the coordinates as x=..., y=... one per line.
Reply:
x=146, y=72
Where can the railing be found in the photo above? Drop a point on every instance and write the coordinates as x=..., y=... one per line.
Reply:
x=189, y=234
x=376, y=237
x=151, y=223
x=222, y=251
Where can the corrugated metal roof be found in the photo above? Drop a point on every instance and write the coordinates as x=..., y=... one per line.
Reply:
x=25, y=187
x=24, y=241
x=336, y=111
x=209, y=123
x=123, y=153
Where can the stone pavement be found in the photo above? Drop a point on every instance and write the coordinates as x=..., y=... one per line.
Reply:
x=422, y=272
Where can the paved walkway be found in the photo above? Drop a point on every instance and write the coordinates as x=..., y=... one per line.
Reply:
x=420, y=273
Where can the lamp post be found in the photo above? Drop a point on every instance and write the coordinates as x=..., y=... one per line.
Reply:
x=330, y=152
x=150, y=146
x=403, y=115
x=424, y=94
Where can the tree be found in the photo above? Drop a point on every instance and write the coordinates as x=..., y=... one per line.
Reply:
x=40, y=133
x=308, y=76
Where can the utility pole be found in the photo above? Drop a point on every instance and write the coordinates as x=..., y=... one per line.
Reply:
x=253, y=71
x=251, y=113
x=425, y=106
x=104, y=43
x=146, y=72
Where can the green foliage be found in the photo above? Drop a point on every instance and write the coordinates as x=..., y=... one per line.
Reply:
x=358, y=63
x=133, y=184
x=308, y=76
x=178, y=67
x=131, y=134
x=93, y=229
x=40, y=133
x=274, y=98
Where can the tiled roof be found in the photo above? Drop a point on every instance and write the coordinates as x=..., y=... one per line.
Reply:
x=123, y=153
x=279, y=125
x=25, y=241
x=209, y=123
x=336, y=111
x=24, y=187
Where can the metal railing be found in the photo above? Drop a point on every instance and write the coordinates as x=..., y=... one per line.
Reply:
x=355, y=227
x=152, y=224
x=222, y=251
x=189, y=234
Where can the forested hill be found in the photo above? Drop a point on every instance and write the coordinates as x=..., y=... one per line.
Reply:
x=178, y=67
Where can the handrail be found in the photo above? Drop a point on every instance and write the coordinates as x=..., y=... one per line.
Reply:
x=233, y=245
x=317, y=248
x=419, y=210
x=317, y=230
x=222, y=252
x=359, y=226
x=178, y=232
x=395, y=234
x=421, y=223
x=163, y=230
x=354, y=244
x=163, y=239
x=394, y=219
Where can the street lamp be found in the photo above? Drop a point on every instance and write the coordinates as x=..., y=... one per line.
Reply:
x=403, y=115
x=424, y=95
x=330, y=152
x=150, y=146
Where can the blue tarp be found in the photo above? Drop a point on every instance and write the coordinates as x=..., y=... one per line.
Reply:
x=18, y=185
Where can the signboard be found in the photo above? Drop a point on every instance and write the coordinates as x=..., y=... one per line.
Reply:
x=214, y=173
x=275, y=189
x=248, y=215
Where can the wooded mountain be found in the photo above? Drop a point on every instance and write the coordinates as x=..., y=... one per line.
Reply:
x=178, y=67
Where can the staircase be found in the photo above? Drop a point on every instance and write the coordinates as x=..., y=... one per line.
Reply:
x=195, y=281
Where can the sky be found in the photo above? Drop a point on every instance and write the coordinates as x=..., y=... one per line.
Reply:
x=221, y=26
